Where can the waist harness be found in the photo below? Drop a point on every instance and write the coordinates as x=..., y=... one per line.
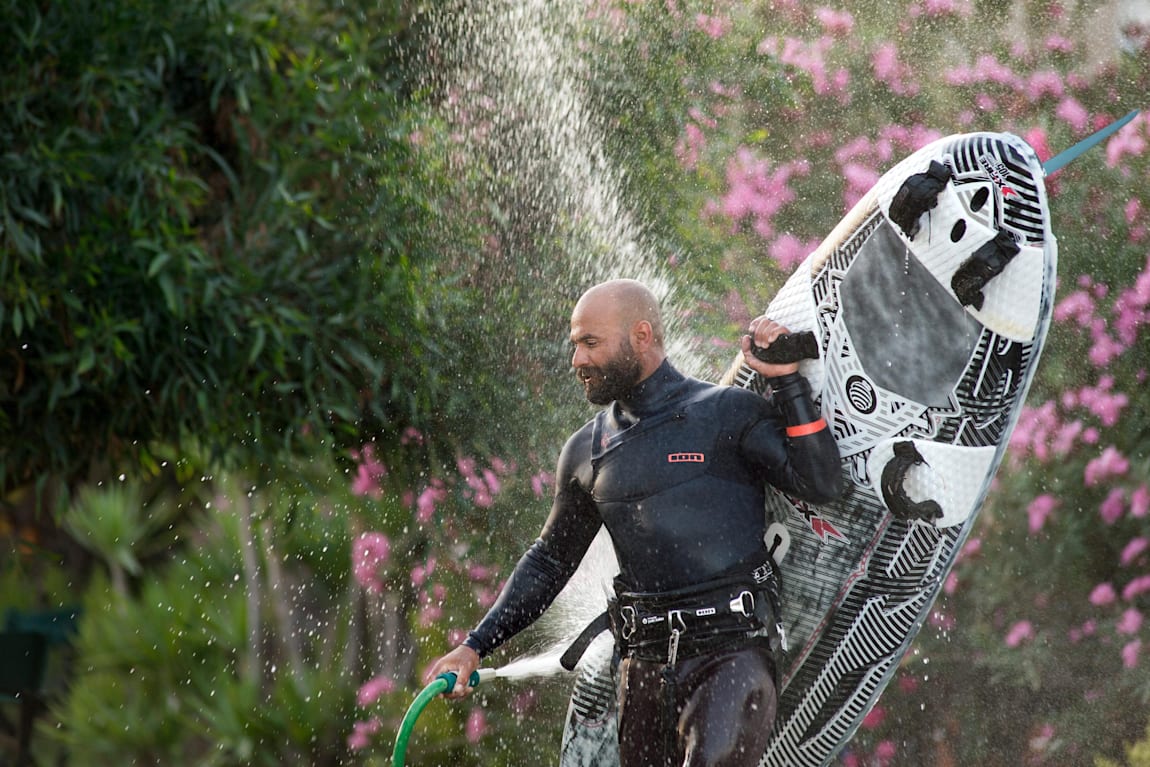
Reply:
x=667, y=625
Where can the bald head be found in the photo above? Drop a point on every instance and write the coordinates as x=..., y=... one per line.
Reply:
x=627, y=302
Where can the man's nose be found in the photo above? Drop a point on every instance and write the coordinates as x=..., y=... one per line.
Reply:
x=578, y=357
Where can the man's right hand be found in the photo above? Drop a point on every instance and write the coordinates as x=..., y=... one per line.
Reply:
x=462, y=661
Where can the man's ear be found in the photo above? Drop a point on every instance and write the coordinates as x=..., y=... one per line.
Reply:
x=642, y=335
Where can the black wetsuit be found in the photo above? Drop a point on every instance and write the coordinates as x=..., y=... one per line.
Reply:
x=676, y=471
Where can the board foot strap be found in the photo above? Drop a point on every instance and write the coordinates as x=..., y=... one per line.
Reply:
x=894, y=494
x=918, y=194
x=984, y=264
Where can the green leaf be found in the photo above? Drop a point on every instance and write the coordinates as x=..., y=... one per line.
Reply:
x=87, y=360
x=158, y=262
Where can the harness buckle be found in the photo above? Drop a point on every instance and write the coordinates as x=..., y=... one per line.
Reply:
x=676, y=616
x=743, y=604
x=630, y=618
x=673, y=646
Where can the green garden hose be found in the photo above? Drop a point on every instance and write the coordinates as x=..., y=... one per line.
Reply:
x=442, y=684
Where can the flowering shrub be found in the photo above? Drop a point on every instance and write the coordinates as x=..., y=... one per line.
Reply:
x=1046, y=605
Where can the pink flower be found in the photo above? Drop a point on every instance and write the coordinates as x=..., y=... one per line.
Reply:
x=874, y=718
x=885, y=751
x=479, y=572
x=1109, y=464
x=539, y=482
x=476, y=725
x=1037, y=139
x=1063, y=441
x=368, y=474
x=947, y=7
x=1112, y=507
x=989, y=69
x=1133, y=550
x=971, y=549
x=837, y=23
x=420, y=573
x=1074, y=114
x=860, y=179
x=1102, y=402
x=1019, y=633
x=757, y=191
x=1131, y=652
x=1133, y=210
x=1102, y=595
x=369, y=553
x=1136, y=588
x=1105, y=349
x=1059, y=44
x=888, y=69
x=809, y=57
x=493, y=482
x=885, y=61
x=1077, y=307
x=1041, y=741
x=371, y=690
x=690, y=146
x=713, y=26
x=1040, y=510
x=1134, y=218
x=1127, y=141
x=1045, y=83
x=361, y=732
x=1130, y=622
x=788, y=251
x=950, y=585
x=433, y=494
x=1140, y=502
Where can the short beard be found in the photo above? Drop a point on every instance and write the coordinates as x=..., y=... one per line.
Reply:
x=616, y=378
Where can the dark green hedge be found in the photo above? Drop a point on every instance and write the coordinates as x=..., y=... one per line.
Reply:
x=214, y=230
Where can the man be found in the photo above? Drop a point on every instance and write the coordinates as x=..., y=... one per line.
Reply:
x=676, y=469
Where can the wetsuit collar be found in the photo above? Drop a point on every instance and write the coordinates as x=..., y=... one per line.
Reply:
x=650, y=395
x=649, y=403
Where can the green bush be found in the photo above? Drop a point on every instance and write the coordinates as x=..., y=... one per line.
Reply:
x=215, y=229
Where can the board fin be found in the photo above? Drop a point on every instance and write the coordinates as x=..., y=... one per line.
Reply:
x=1064, y=158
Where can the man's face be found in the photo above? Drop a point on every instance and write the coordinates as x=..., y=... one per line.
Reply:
x=604, y=360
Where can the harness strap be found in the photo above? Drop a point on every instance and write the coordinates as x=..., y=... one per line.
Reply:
x=572, y=654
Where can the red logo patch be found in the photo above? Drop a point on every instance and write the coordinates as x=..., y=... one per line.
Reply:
x=685, y=458
x=824, y=529
x=818, y=525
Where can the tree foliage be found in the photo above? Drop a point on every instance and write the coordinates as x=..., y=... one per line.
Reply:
x=215, y=230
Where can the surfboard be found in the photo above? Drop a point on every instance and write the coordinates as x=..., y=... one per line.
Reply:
x=930, y=302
